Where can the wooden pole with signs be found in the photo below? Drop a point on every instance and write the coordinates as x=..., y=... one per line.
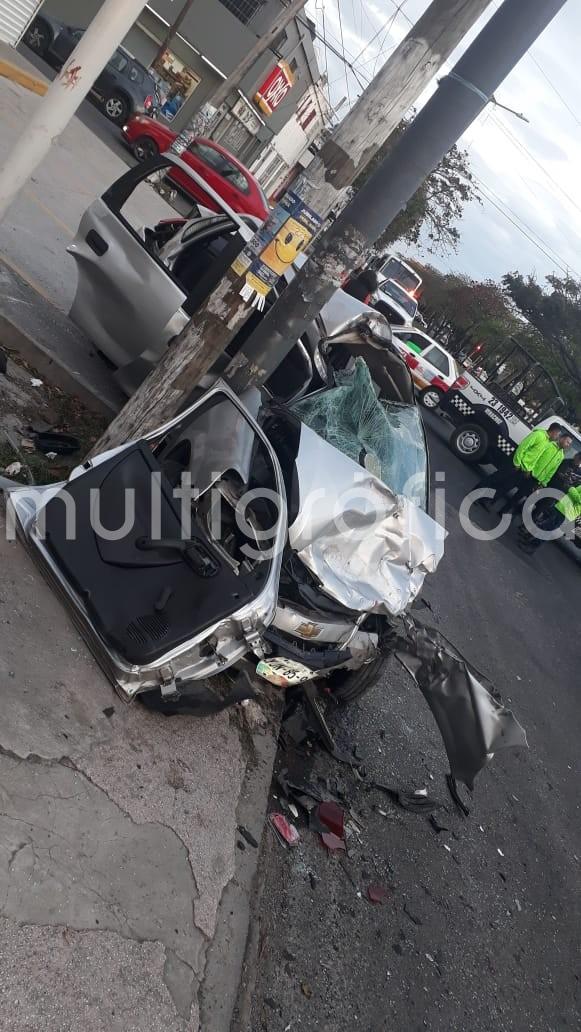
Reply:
x=406, y=73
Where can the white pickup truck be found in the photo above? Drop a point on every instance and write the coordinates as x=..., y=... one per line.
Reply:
x=494, y=412
x=492, y=416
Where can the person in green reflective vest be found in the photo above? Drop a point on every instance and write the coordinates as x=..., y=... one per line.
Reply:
x=565, y=512
x=542, y=471
x=518, y=474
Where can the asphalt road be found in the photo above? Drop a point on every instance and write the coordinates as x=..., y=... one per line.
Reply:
x=482, y=936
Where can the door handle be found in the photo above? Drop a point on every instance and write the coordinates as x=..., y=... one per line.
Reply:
x=96, y=242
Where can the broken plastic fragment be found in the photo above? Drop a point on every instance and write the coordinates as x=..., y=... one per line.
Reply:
x=13, y=469
x=332, y=817
x=499, y=851
x=377, y=894
x=436, y=824
x=247, y=836
x=284, y=829
x=447, y=848
x=332, y=842
x=35, y=382
x=415, y=802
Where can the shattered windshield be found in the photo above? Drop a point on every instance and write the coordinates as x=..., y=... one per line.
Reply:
x=385, y=437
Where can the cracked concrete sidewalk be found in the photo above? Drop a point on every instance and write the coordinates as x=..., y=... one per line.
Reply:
x=124, y=897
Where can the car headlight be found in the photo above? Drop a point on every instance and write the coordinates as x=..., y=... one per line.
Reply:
x=379, y=328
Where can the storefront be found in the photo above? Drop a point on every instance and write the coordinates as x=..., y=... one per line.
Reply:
x=177, y=81
x=15, y=15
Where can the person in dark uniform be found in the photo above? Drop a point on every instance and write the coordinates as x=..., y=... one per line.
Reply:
x=362, y=284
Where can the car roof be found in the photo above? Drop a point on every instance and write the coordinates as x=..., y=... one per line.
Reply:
x=226, y=154
x=413, y=329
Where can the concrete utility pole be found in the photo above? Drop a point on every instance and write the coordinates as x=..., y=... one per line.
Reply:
x=107, y=30
x=459, y=99
x=202, y=121
x=173, y=29
x=379, y=109
x=391, y=93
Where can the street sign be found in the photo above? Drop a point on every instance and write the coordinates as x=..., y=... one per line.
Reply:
x=274, y=88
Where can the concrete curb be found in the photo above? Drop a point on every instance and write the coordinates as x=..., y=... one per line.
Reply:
x=43, y=336
x=50, y=369
x=23, y=78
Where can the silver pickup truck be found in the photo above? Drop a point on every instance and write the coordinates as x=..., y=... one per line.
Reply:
x=137, y=287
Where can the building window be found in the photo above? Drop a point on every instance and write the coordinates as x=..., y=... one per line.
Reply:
x=243, y=9
x=293, y=65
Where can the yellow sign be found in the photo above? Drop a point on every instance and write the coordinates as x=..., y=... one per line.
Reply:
x=291, y=239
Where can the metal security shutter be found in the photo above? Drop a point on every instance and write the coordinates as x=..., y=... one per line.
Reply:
x=14, y=18
x=231, y=134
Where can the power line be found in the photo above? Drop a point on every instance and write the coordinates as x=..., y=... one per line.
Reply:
x=336, y=53
x=388, y=22
x=518, y=223
x=343, y=48
x=554, y=88
x=524, y=150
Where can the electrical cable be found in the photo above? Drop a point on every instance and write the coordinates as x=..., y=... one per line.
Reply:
x=343, y=48
x=524, y=150
x=555, y=259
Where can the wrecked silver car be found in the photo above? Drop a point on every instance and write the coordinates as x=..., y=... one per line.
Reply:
x=288, y=540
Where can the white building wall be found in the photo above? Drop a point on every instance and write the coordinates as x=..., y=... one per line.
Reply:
x=291, y=144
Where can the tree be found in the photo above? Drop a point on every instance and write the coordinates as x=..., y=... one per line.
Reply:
x=555, y=314
x=435, y=207
x=461, y=312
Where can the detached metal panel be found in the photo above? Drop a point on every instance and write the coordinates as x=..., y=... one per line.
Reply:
x=15, y=15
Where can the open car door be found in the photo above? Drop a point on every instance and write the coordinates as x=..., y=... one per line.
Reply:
x=128, y=301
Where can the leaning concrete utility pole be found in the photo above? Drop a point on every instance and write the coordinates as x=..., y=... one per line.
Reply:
x=392, y=92
x=376, y=113
x=202, y=120
x=107, y=30
x=459, y=99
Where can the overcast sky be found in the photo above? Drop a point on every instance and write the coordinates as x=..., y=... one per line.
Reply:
x=530, y=171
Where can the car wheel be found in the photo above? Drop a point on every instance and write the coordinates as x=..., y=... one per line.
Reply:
x=469, y=442
x=116, y=108
x=38, y=37
x=145, y=148
x=348, y=685
x=430, y=397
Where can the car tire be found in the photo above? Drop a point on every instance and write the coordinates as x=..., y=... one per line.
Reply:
x=38, y=37
x=348, y=685
x=430, y=398
x=469, y=442
x=145, y=148
x=116, y=108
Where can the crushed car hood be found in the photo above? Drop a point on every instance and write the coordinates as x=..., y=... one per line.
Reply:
x=369, y=548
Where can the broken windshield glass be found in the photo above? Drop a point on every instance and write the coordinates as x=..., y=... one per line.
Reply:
x=384, y=437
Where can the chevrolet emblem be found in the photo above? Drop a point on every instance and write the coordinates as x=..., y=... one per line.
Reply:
x=309, y=630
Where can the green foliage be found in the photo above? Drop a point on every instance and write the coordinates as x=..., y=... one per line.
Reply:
x=462, y=313
x=435, y=207
x=556, y=316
